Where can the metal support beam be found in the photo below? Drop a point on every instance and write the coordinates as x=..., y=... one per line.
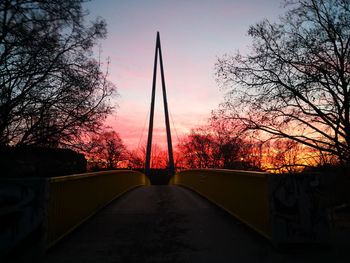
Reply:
x=151, y=117
x=166, y=113
x=171, y=166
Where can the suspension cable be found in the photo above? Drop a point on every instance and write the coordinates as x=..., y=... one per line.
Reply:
x=143, y=129
x=172, y=120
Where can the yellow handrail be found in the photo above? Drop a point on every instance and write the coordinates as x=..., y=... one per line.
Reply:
x=244, y=194
x=74, y=198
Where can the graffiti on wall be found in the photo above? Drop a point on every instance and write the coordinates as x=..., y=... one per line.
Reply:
x=23, y=208
x=298, y=211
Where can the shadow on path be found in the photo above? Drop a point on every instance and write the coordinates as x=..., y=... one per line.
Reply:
x=172, y=224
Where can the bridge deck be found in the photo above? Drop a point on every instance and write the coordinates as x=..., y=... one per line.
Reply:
x=170, y=224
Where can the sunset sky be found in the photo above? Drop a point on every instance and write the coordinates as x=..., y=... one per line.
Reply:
x=193, y=34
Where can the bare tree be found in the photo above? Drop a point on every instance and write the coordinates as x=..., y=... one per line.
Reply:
x=52, y=89
x=107, y=150
x=295, y=82
x=216, y=145
x=229, y=143
x=288, y=156
x=137, y=158
x=159, y=157
x=197, y=149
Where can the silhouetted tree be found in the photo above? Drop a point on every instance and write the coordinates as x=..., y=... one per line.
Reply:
x=159, y=157
x=197, y=149
x=107, y=150
x=216, y=145
x=51, y=87
x=295, y=82
x=229, y=145
x=137, y=158
x=288, y=156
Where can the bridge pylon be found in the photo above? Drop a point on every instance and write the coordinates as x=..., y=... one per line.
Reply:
x=171, y=166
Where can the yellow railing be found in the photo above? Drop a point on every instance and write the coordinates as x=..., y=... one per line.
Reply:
x=74, y=198
x=243, y=194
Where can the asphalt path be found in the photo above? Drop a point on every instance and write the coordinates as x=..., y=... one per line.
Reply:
x=173, y=224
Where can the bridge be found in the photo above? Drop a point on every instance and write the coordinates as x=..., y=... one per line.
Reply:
x=200, y=215
x=203, y=215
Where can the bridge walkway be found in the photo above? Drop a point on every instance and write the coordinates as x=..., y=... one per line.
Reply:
x=170, y=224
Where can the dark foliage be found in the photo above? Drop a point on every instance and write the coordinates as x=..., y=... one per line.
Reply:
x=28, y=161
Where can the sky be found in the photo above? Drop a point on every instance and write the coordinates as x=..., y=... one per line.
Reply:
x=193, y=33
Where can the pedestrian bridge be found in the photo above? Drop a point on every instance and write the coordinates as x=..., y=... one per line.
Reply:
x=203, y=215
x=72, y=199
